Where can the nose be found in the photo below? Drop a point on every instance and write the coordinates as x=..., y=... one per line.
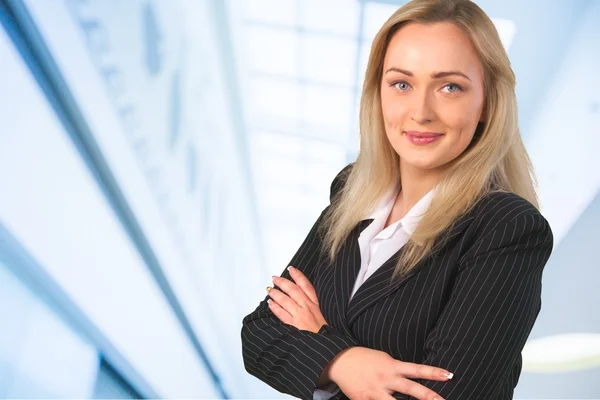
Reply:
x=422, y=111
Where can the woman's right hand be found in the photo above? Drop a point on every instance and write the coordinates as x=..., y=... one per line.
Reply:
x=368, y=374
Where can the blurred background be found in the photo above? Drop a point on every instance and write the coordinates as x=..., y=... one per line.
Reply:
x=161, y=159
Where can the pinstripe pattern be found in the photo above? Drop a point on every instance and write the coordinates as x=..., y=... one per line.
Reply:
x=469, y=309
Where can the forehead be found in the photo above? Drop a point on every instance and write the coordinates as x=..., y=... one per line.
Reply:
x=425, y=48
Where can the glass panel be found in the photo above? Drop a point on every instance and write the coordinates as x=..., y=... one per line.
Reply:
x=41, y=356
x=335, y=16
x=110, y=385
x=274, y=97
x=329, y=108
x=274, y=51
x=329, y=59
x=273, y=11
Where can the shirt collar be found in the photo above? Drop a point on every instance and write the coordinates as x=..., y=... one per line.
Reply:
x=410, y=221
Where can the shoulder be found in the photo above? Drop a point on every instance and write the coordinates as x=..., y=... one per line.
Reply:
x=502, y=219
x=498, y=208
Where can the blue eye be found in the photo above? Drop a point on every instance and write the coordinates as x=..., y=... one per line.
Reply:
x=453, y=85
x=402, y=86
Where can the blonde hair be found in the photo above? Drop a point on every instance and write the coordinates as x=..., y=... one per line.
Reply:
x=496, y=160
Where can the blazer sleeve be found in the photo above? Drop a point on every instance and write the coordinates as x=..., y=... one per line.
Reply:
x=492, y=308
x=286, y=358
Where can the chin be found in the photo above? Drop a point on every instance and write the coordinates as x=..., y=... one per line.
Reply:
x=425, y=167
x=421, y=162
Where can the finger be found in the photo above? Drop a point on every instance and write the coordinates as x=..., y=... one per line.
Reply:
x=412, y=370
x=292, y=290
x=304, y=284
x=279, y=312
x=414, y=389
x=284, y=301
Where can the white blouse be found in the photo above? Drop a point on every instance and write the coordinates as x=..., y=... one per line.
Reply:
x=377, y=245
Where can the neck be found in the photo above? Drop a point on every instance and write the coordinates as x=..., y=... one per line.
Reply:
x=416, y=183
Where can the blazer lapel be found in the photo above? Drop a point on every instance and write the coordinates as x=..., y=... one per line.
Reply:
x=346, y=269
x=379, y=284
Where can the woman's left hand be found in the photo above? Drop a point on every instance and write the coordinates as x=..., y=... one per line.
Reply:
x=296, y=303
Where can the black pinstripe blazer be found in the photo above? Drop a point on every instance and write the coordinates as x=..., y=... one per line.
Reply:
x=469, y=309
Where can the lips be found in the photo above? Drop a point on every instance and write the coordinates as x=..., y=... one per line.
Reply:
x=423, y=134
x=422, y=138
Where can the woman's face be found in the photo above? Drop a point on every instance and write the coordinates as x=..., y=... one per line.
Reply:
x=431, y=94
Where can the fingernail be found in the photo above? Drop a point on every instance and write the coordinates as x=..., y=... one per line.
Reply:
x=274, y=278
x=449, y=375
x=291, y=269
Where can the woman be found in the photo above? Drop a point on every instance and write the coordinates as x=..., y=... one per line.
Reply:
x=422, y=278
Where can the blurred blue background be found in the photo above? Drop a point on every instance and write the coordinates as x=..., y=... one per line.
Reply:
x=161, y=159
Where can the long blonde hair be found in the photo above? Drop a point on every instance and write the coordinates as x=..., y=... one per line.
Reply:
x=496, y=160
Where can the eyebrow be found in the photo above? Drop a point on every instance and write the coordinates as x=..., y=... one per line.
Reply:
x=435, y=75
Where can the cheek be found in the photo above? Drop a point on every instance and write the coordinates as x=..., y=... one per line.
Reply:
x=463, y=132
x=462, y=122
x=394, y=112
